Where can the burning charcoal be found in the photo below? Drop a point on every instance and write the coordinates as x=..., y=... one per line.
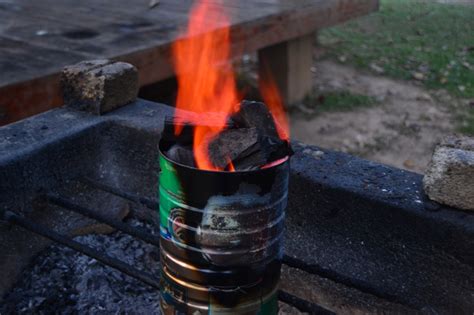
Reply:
x=246, y=149
x=251, y=162
x=255, y=114
x=184, y=138
x=187, y=133
x=234, y=144
x=270, y=149
x=275, y=148
x=181, y=154
x=249, y=140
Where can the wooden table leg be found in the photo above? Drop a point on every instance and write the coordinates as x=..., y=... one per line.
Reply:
x=289, y=65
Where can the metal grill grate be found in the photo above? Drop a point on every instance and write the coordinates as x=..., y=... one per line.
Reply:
x=144, y=277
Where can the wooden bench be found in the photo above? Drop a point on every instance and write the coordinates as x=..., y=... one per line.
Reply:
x=38, y=38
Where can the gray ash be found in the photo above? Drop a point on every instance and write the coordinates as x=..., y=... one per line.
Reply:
x=63, y=281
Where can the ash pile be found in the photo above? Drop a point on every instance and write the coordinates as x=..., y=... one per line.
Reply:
x=63, y=281
x=250, y=139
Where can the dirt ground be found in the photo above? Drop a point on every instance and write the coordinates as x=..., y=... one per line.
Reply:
x=470, y=2
x=401, y=130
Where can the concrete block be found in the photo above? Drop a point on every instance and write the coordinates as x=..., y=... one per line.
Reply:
x=450, y=176
x=99, y=86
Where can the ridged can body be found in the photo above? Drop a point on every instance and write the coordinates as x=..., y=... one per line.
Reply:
x=221, y=238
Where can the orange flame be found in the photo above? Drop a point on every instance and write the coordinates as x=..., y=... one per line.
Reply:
x=231, y=165
x=205, y=85
x=272, y=98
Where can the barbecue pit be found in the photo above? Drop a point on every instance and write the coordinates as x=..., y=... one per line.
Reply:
x=360, y=236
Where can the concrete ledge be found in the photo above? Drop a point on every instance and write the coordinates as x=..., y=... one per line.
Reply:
x=355, y=221
x=371, y=225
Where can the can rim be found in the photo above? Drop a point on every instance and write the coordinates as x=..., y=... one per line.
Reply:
x=239, y=172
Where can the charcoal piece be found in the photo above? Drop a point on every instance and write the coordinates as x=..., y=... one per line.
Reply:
x=246, y=149
x=181, y=154
x=275, y=148
x=257, y=115
x=184, y=138
x=250, y=162
x=187, y=134
x=234, y=144
x=270, y=149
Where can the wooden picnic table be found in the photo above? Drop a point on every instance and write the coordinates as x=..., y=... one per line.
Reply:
x=38, y=38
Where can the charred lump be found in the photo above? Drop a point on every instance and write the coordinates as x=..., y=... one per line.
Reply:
x=249, y=140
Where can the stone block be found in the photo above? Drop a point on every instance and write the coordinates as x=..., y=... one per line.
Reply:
x=449, y=178
x=99, y=86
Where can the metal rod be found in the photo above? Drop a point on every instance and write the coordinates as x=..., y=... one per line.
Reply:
x=86, y=250
x=303, y=305
x=137, y=274
x=342, y=279
x=147, y=202
x=287, y=260
x=96, y=215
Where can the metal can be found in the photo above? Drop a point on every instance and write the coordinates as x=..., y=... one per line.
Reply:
x=221, y=238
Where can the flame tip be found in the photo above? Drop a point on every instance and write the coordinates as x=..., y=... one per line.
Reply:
x=205, y=86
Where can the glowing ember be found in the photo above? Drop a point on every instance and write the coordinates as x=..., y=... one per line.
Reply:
x=206, y=86
x=231, y=166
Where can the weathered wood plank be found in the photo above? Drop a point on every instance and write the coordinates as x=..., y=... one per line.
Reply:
x=16, y=95
x=19, y=59
x=128, y=30
x=288, y=64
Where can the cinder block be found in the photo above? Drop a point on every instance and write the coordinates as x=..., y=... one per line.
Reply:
x=99, y=86
x=450, y=176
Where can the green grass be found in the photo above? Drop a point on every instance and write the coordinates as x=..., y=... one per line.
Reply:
x=466, y=122
x=412, y=37
x=337, y=101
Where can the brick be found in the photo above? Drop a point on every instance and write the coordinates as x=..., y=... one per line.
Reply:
x=99, y=86
x=450, y=176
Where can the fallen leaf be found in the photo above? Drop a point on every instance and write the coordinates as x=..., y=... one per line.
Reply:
x=378, y=69
x=409, y=164
x=302, y=108
x=418, y=76
x=424, y=97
